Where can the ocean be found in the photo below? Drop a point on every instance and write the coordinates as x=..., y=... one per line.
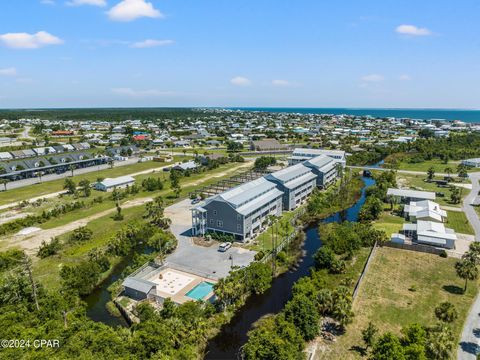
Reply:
x=470, y=116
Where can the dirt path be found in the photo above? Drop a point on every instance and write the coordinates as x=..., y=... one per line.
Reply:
x=33, y=241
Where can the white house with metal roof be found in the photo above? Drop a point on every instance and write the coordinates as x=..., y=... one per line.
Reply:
x=406, y=195
x=325, y=168
x=241, y=211
x=430, y=233
x=296, y=182
x=302, y=154
x=109, y=184
x=424, y=210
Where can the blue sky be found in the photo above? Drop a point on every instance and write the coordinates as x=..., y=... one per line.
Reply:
x=350, y=53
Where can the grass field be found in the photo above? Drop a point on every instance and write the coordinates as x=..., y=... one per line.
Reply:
x=458, y=221
x=416, y=182
x=47, y=270
x=437, y=164
x=387, y=298
x=49, y=187
x=389, y=223
x=187, y=183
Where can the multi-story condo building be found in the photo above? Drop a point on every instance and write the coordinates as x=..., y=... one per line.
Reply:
x=300, y=155
x=326, y=169
x=241, y=211
x=296, y=182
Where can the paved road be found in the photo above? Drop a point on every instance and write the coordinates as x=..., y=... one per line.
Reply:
x=398, y=171
x=200, y=260
x=470, y=342
x=51, y=177
x=78, y=172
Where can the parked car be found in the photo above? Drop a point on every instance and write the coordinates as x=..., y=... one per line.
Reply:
x=224, y=246
x=196, y=201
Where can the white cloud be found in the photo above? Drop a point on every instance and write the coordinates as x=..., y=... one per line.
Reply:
x=149, y=43
x=87, y=2
x=281, y=83
x=372, y=78
x=140, y=93
x=240, y=81
x=29, y=41
x=404, y=77
x=129, y=10
x=8, y=72
x=412, y=30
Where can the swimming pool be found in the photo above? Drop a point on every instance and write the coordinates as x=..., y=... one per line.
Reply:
x=200, y=291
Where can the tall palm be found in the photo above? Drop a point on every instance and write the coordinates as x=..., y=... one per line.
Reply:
x=467, y=270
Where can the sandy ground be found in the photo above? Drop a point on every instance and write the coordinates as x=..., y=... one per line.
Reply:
x=32, y=240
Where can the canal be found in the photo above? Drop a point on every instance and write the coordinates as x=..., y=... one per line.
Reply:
x=227, y=344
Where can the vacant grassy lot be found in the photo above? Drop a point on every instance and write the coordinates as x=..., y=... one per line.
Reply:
x=400, y=288
x=416, y=182
x=458, y=221
x=49, y=187
x=437, y=164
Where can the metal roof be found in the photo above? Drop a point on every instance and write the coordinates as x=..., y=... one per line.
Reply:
x=321, y=162
x=110, y=182
x=258, y=202
x=242, y=194
x=316, y=152
x=137, y=284
x=290, y=173
x=427, y=195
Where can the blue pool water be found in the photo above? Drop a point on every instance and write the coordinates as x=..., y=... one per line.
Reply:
x=200, y=291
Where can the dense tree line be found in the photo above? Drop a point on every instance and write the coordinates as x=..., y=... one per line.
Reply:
x=283, y=336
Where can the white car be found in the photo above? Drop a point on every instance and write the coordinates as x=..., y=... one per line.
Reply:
x=224, y=246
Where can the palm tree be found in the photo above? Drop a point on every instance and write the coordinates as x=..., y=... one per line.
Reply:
x=71, y=168
x=430, y=173
x=449, y=171
x=467, y=270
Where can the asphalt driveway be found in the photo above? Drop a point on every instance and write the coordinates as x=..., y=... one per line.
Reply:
x=200, y=260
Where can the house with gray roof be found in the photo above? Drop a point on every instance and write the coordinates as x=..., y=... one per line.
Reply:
x=407, y=195
x=241, y=211
x=296, y=182
x=325, y=168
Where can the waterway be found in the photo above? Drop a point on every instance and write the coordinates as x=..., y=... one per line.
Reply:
x=227, y=344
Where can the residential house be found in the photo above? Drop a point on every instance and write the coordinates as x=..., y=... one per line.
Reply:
x=109, y=184
x=426, y=210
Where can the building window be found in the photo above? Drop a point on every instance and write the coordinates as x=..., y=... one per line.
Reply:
x=239, y=217
x=220, y=223
x=214, y=212
x=239, y=227
x=211, y=221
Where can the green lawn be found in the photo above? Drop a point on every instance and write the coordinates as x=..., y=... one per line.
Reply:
x=416, y=182
x=49, y=187
x=47, y=270
x=437, y=164
x=389, y=223
x=187, y=183
x=386, y=299
x=458, y=221
x=281, y=229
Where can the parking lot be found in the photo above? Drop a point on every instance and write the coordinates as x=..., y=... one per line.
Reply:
x=200, y=260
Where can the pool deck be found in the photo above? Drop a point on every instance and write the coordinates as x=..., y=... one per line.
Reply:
x=179, y=283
